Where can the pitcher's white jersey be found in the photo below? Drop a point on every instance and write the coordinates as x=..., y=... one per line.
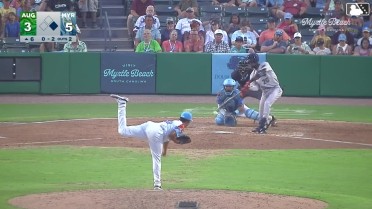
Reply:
x=169, y=126
x=268, y=81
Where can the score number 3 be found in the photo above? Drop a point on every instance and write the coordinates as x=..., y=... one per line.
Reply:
x=27, y=26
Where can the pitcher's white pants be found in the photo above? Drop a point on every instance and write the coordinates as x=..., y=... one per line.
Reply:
x=150, y=131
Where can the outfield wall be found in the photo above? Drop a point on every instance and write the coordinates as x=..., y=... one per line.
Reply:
x=179, y=73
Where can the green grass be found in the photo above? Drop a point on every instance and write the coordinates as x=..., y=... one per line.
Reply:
x=44, y=112
x=342, y=178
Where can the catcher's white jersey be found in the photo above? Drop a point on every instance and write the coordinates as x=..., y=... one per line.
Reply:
x=268, y=81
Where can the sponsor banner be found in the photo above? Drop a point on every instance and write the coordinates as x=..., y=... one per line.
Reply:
x=128, y=72
x=224, y=64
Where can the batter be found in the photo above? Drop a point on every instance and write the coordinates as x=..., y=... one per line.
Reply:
x=158, y=135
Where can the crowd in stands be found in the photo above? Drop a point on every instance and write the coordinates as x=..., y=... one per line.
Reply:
x=319, y=27
x=10, y=11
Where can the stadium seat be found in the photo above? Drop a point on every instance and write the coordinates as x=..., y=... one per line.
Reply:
x=257, y=20
x=234, y=10
x=211, y=11
x=259, y=27
x=204, y=2
x=162, y=2
x=165, y=10
x=257, y=12
x=314, y=12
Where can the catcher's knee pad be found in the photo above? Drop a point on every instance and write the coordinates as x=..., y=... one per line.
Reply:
x=230, y=120
x=252, y=114
x=219, y=120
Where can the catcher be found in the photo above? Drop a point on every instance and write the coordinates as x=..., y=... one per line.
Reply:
x=230, y=104
x=157, y=135
x=242, y=74
x=265, y=78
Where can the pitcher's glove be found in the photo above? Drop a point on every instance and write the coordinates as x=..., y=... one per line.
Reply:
x=183, y=139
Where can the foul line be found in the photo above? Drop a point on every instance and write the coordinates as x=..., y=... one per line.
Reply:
x=48, y=142
x=324, y=140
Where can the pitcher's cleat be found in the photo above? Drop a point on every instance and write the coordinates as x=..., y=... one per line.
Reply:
x=119, y=98
x=158, y=188
x=273, y=122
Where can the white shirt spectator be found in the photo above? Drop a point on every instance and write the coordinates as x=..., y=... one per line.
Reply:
x=250, y=36
x=209, y=36
x=183, y=25
x=141, y=22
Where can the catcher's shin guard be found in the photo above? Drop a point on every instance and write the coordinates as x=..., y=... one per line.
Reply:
x=252, y=114
x=220, y=120
x=230, y=120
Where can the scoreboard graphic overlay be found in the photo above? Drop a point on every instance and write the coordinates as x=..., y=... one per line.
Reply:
x=48, y=27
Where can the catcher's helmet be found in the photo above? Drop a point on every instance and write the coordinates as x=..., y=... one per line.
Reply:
x=253, y=58
x=229, y=82
x=186, y=116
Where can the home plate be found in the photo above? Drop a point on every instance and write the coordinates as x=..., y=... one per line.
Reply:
x=223, y=132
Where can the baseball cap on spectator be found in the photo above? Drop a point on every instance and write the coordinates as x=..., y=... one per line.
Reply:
x=288, y=15
x=297, y=35
x=189, y=9
x=279, y=32
x=320, y=41
x=270, y=20
x=239, y=39
x=366, y=29
x=321, y=27
x=342, y=37
x=170, y=20
x=218, y=31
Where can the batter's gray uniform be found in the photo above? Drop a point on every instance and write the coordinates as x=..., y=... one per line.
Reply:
x=155, y=133
x=269, y=85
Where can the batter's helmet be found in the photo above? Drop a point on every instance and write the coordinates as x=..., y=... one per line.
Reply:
x=253, y=58
x=186, y=116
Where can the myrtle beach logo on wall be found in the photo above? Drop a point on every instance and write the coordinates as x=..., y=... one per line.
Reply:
x=128, y=73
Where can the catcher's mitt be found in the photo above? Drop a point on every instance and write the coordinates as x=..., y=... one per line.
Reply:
x=183, y=139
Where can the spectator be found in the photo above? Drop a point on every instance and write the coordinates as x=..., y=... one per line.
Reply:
x=148, y=44
x=196, y=24
x=165, y=32
x=288, y=25
x=155, y=33
x=150, y=10
x=194, y=43
x=320, y=48
x=250, y=40
x=342, y=30
x=17, y=5
x=238, y=46
x=342, y=48
x=172, y=45
x=47, y=47
x=234, y=25
x=367, y=35
x=76, y=46
x=355, y=27
x=86, y=6
x=217, y=45
x=12, y=26
x=274, y=5
x=364, y=49
x=268, y=34
x=298, y=47
x=184, y=25
x=246, y=3
x=224, y=3
x=368, y=23
x=336, y=12
x=137, y=8
x=4, y=15
x=183, y=5
x=209, y=36
x=56, y=5
x=296, y=7
x=321, y=34
x=276, y=45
